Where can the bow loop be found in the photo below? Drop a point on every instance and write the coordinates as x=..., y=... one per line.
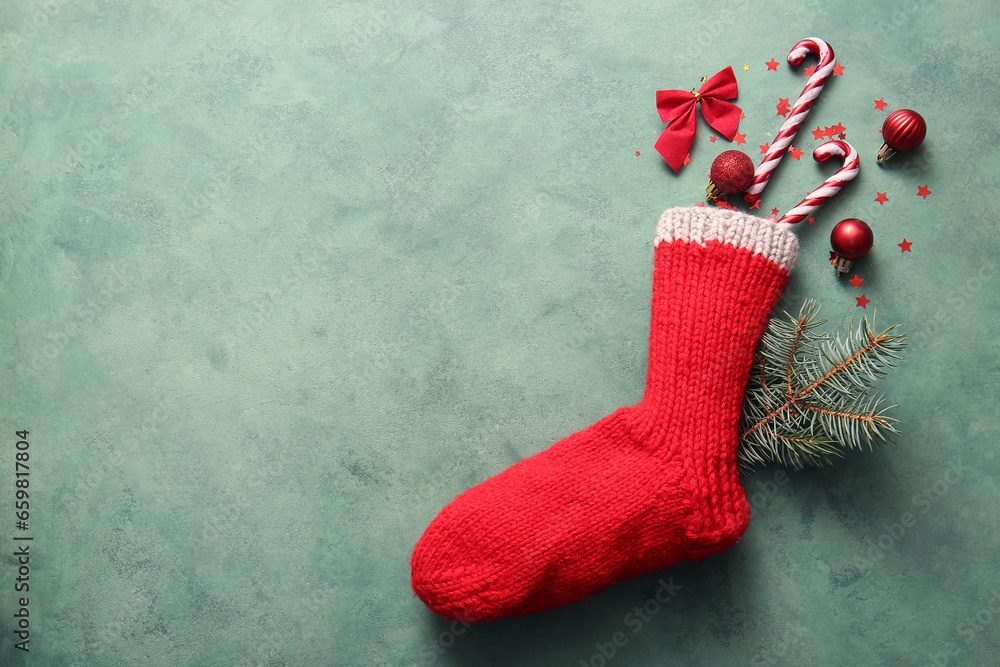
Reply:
x=677, y=107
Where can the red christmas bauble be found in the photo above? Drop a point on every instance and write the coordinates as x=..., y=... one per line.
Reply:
x=852, y=239
x=732, y=172
x=904, y=130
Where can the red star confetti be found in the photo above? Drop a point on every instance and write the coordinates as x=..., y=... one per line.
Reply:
x=862, y=301
x=922, y=191
x=818, y=133
x=838, y=70
x=763, y=149
x=722, y=203
x=774, y=212
x=701, y=205
x=795, y=153
x=880, y=197
x=810, y=71
x=905, y=246
x=754, y=205
x=783, y=106
x=712, y=139
x=742, y=115
x=880, y=104
x=637, y=153
x=772, y=65
x=812, y=220
x=740, y=138
x=828, y=132
x=687, y=159
x=837, y=129
x=856, y=282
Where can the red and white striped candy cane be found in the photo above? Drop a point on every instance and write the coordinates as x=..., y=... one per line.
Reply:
x=832, y=185
x=798, y=113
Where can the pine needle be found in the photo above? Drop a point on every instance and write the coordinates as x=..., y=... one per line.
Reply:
x=809, y=399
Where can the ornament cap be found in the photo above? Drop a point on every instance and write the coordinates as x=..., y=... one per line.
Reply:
x=842, y=265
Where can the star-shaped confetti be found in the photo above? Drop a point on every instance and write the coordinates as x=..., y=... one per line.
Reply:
x=763, y=148
x=810, y=70
x=746, y=68
x=838, y=129
x=880, y=197
x=862, y=301
x=740, y=138
x=838, y=70
x=742, y=115
x=687, y=159
x=783, y=106
x=922, y=191
x=856, y=282
x=774, y=212
x=712, y=138
x=637, y=153
x=754, y=205
x=795, y=153
x=905, y=246
x=818, y=133
x=811, y=220
x=880, y=104
x=772, y=65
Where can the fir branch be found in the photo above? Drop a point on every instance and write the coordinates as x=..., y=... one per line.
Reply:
x=824, y=406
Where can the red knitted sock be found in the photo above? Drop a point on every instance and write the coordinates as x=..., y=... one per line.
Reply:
x=649, y=485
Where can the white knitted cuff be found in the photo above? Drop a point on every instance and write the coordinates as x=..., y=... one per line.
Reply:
x=699, y=224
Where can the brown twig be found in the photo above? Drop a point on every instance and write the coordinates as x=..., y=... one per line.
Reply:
x=795, y=347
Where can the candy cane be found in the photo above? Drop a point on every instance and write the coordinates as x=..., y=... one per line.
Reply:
x=832, y=185
x=799, y=112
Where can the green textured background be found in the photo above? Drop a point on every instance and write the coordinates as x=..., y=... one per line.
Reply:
x=279, y=280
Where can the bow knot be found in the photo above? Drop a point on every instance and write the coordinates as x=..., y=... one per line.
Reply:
x=677, y=107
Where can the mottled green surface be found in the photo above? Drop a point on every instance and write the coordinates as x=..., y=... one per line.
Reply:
x=281, y=279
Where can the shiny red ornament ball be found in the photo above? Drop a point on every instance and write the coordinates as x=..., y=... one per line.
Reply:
x=904, y=130
x=732, y=172
x=852, y=239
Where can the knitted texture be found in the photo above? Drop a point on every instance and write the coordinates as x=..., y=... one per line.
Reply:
x=647, y=486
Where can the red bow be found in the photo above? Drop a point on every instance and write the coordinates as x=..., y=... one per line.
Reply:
x=677, y=108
